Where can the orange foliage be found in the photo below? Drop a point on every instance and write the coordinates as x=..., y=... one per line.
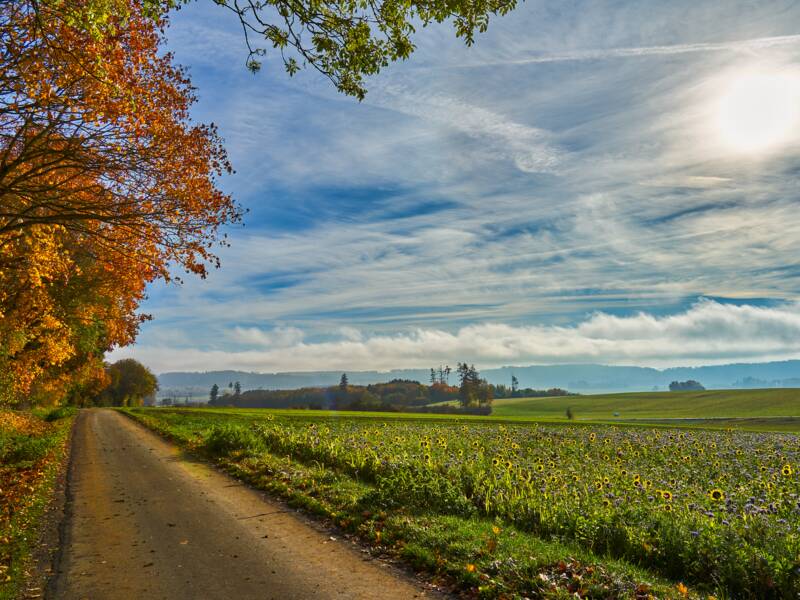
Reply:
x=105, y=185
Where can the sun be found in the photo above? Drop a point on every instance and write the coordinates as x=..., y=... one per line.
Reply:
x=759, y=111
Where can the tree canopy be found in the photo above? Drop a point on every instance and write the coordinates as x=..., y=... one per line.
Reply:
x=105, y=186
x=130, y=382
x=344, y=41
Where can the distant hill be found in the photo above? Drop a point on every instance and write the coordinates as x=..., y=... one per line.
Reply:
x=586, y=378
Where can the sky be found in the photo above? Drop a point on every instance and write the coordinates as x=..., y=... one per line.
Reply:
x=606, y=182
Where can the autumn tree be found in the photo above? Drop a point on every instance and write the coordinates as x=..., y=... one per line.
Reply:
x=105, y=185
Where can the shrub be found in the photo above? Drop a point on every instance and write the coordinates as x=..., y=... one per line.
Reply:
x=62, y=412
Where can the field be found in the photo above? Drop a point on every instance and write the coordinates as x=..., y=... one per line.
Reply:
x=525, y=509
x=758, y=409
x=32, y=446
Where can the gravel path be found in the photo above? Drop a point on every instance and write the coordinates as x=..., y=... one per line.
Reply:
x=144, y=521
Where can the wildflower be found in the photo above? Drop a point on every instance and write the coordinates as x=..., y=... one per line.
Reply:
x=470, y=568
x=717, y=495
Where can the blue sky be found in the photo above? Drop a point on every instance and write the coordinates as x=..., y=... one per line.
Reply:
x=579, y=186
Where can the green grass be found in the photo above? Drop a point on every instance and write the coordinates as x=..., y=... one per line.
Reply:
x=32, y=448
x=769, y=409
x=567, y=508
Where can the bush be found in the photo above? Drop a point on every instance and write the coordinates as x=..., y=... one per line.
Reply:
x=62, y=412
x=23, y=450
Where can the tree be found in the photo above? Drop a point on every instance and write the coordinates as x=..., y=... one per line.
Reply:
x=105, y=185
x=686, y=386
x=433, y=376
x=345, y=41
x=130, y=383
x=569, y=414
x=343, y=382
x=514, y=384
x=237, y=389
x=472, y=389
x=214, y=394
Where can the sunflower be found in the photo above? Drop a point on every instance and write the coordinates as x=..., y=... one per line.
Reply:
x=495, y=461
x=598, y=485
x=509, y=465
x=666, y=495
x=668, y=507
x=717, y=495
x=786, y=471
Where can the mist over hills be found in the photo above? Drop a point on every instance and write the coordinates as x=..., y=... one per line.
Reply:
x=583, y=378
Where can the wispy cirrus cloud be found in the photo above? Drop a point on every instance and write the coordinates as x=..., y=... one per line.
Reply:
x=572, y=169
x=750, y=45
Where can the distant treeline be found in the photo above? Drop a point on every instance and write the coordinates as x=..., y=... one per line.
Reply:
x=396, y=395
x=504, y=391
x=473, y=395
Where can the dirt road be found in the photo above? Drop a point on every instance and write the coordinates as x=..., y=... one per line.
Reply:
x=144, y=521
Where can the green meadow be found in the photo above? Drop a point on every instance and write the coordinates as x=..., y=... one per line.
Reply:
x=767, y=409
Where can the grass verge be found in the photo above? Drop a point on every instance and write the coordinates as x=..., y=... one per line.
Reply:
x=33, y=446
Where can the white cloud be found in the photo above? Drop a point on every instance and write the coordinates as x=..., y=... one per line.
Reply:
x=706, y=332
x=280, y=337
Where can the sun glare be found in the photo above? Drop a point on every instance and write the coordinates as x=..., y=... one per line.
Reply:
x=759, y=111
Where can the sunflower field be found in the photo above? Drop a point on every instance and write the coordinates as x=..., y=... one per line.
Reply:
x=718, y=510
